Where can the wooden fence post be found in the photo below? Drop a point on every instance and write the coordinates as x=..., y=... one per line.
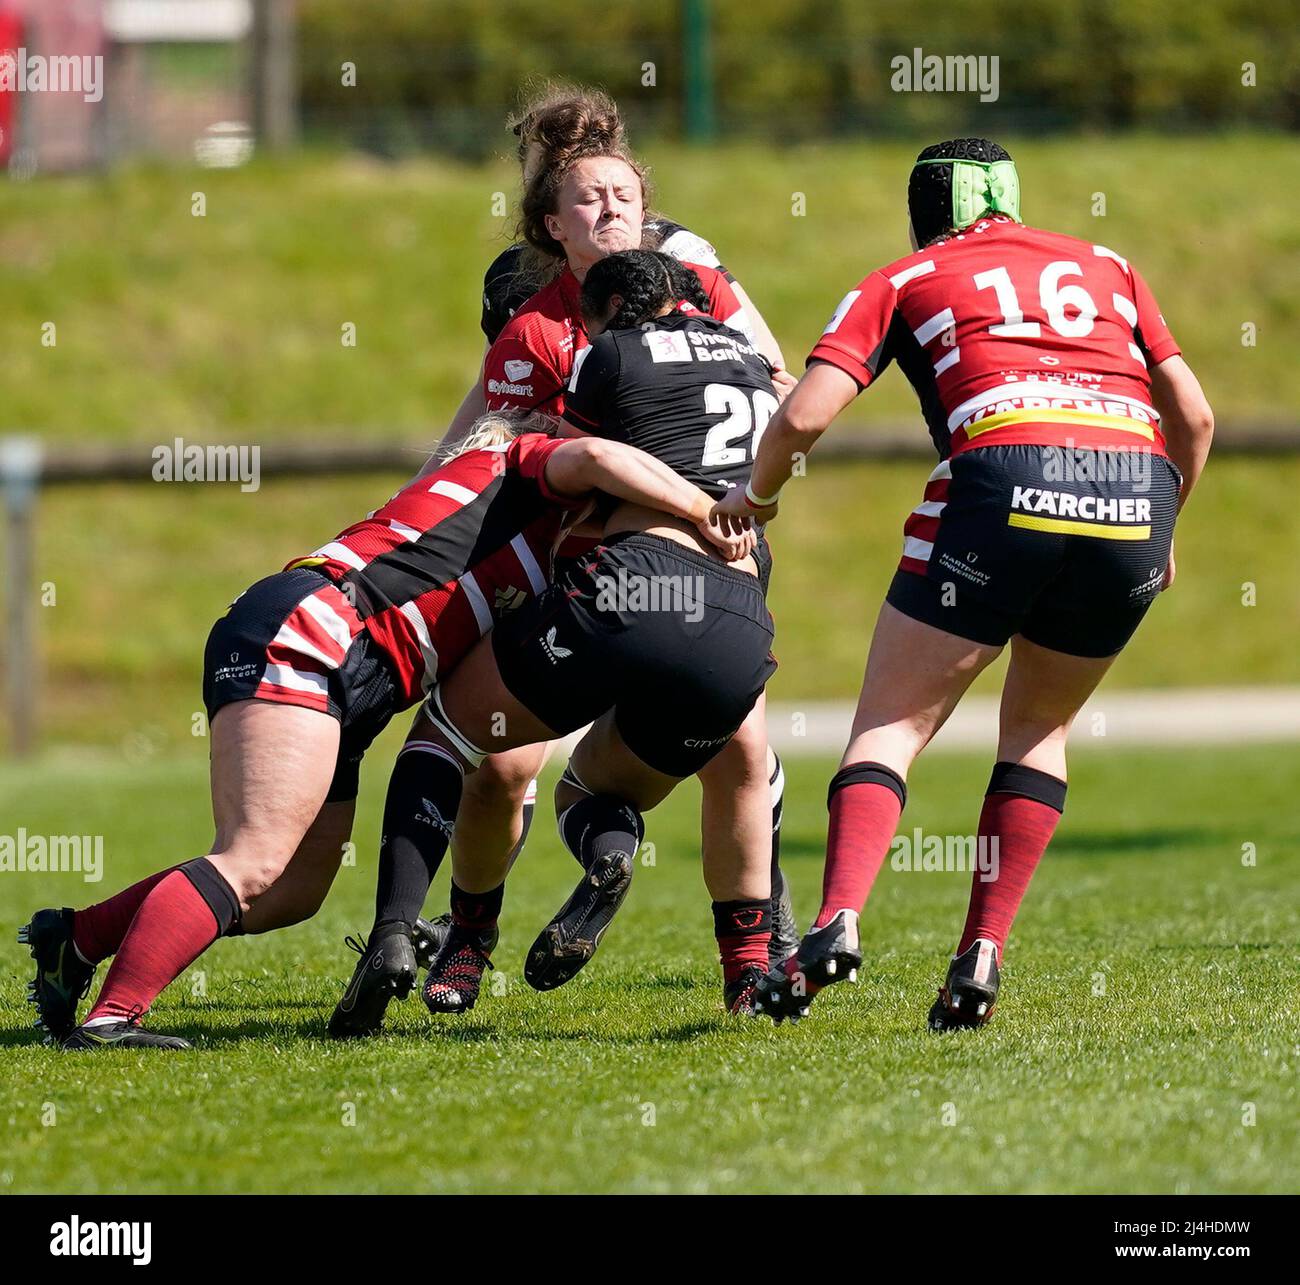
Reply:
x=20, y=472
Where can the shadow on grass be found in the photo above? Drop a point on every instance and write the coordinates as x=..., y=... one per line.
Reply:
x=1107, y=842
x=17, y=1037
x=451, y=1032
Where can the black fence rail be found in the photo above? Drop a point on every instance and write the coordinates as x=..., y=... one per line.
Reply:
x=27, y=465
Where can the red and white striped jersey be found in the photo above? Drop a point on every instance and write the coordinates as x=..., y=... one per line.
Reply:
x=529, y=366
x=1011, y=334
x=430, y=571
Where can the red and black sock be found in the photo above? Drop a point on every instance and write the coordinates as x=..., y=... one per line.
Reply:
x=865, y=801
x=743, y=930
x=98, y=930
x=476, y=912
x=182, y=916
x=1021, y=810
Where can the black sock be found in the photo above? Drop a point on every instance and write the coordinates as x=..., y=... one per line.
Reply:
x=419, y=814
x=477, y=912
x=600, y=824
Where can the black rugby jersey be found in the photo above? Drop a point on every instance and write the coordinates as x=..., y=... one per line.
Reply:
x=685, y=388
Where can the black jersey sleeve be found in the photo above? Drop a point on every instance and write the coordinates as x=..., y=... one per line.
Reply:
x=591, y=399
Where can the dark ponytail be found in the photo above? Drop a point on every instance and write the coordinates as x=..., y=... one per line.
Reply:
x=645, y=280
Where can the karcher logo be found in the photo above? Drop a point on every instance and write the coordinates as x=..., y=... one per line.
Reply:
x=1086, y=508
x=1098, y=517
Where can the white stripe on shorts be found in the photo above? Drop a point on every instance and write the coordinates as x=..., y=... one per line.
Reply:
x=295, y=679
x=295, y=641
x=328, y=619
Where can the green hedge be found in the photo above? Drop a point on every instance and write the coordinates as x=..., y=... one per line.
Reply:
x=445, y=72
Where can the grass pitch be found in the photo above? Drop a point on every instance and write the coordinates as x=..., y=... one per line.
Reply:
x=1146, y=1040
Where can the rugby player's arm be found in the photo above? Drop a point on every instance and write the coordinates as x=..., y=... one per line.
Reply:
x=1185, y=419
x=581, y=465
x=822, y=393
x=764, y=339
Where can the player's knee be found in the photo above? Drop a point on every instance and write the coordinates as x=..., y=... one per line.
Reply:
x=570, y=789
x=740, y=764
x=503, y=776
x=1028, y=737
x=250, y=868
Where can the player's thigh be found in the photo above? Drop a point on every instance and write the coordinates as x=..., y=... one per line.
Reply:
x=744, y=758
x=1043, y=692
x=271, y=769
x=476, y=701
x=916, y=673
x=605, y=764
x=302, y=888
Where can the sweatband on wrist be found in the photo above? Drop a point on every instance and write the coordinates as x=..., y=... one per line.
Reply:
x=758, y=501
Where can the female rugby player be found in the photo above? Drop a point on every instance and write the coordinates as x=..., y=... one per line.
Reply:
x=552, y=123
x=584, y=197
x=664, y=376
x=1070, y=432
x=652, y=638
x=303, y=672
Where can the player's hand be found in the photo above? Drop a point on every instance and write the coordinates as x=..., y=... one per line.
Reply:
x=734, y=542
x=783, y=382
x=735, y=508
x=1170, y=571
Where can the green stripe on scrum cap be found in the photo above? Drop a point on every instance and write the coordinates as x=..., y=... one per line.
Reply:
x=978, y=186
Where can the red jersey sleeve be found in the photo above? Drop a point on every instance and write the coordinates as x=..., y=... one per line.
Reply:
x=723, y=303
x=1151, y=332
x=517, y=376
x=855, y=338
x=527, y=455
